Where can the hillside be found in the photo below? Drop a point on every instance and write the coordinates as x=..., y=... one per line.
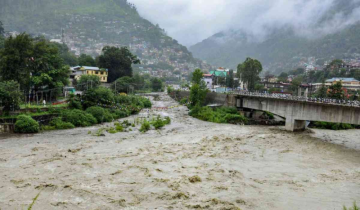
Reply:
x=283, y=49
x=89, y=25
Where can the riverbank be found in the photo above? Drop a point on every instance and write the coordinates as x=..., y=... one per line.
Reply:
x=247, y=167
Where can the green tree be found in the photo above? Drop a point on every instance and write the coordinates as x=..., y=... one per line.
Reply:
x=68, y=57
x=10, y=95
x=295, y=84
x=230, y=79
x=118, y=61
x=88, y=82
x=139, y=82
x=86, y=60
x=156, y=84
x=283, y=77
x=198, y=89
x=15, y=59
x=249, y=72
x=33, y=63
x=197, y=76
x=100, y=96
x=220, y=81
x=355, y=73
x=122, y=84
x=47, y=67
x=336, y=91
x=322, y=92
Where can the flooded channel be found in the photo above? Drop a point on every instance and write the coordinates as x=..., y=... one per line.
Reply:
x=186, y=165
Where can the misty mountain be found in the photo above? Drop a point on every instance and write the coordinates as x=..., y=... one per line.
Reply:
x=285, y=48
x=89, y=25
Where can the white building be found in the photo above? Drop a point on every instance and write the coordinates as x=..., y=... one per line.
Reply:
x=208, y=79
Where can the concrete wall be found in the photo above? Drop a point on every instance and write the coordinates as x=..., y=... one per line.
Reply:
x=6, y=128
x=297, y=112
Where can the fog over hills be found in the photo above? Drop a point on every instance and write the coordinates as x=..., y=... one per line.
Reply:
x=287, y=34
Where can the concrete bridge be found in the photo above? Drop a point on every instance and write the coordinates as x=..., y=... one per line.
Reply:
x=297, y=112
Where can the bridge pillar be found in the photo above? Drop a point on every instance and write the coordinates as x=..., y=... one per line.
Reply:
x=295, y=125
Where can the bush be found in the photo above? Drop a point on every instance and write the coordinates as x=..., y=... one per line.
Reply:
x=158, y=123
x=167, y=120
x=355, y=207
x=184, y=101
x=10, y=95
x=73, y=103
x=170, y=89
x=78, y=118
x=270, y=115
x=227, y=110
x=101, y=114
x=100, y=95
x=146, y=102
x=88, y=81
x=26, y=124
x=119, y=127
x=235, y=119
x=123, y=99
x=59, y=124
x=145, y=126
x=220, y=115
x=333, y=126
x=134, y=101
x=117, y=114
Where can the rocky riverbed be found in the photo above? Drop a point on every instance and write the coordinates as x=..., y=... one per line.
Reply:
x=188, y=164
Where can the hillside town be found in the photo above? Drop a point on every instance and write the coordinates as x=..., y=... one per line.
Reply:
x=299, y=81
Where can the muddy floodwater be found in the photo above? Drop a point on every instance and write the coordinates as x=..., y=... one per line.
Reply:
x=189, y=164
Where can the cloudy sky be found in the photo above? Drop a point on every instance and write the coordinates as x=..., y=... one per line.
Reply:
x=191, y=21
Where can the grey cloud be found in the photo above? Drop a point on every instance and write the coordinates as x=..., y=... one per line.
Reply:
x=191, y=21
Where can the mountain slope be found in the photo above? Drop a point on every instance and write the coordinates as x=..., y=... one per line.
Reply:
x=283, y=49
x=91, y=24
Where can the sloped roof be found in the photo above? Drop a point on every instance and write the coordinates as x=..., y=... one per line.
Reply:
x=218, y=73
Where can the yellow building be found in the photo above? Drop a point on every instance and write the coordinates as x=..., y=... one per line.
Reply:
x=78, y=71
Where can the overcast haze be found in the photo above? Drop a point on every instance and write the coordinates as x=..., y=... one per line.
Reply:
x=191, y=21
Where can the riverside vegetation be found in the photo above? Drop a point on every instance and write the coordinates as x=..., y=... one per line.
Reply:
x=125, y=126
x=98, y=105
x=196, y=101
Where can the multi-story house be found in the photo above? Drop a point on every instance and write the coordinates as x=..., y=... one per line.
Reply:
x=78, y=71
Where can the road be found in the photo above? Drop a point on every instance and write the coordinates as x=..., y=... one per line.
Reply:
x=240, y=167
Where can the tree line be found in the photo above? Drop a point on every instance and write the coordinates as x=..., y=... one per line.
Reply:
x=32, y=65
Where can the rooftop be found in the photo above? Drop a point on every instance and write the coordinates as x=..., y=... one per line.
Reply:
x=88, y=68
x=336, y=79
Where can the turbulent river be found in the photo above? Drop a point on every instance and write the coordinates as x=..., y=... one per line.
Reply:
x=240, y=167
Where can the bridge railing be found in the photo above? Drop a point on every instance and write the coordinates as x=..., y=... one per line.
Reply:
x=343, y=102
